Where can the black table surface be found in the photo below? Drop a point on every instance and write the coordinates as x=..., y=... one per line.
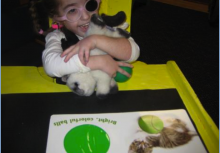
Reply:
x=26, y=117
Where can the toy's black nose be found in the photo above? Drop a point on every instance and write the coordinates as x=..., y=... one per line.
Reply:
x=76, y=84
x=77, y=90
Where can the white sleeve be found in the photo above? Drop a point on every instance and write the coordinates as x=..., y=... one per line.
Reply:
x=53, y=64
x=135, y=50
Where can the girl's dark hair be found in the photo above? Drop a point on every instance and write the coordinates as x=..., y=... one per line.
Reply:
x=40, y=11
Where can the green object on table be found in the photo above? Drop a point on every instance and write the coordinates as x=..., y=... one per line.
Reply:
x=121, y=77
x=86, y=139
x=151, y=124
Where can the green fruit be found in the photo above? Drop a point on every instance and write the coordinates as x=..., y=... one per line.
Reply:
x=86, y=139
x=151, y=124
x=121, y=77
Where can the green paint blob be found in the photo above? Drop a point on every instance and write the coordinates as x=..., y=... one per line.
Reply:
x=121, y=77
x=86, y=139
x=151, y=124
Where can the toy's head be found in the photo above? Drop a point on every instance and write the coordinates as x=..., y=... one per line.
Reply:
x=100, y=25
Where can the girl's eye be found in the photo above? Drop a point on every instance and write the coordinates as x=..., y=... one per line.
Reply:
x=72, y=11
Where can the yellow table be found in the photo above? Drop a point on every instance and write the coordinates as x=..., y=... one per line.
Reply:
x=29, y=79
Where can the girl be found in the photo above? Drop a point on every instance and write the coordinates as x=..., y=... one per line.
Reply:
x=74, y=16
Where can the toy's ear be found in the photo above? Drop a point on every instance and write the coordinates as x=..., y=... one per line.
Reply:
x=71, y=39
x=64, y=78
x=115, y=20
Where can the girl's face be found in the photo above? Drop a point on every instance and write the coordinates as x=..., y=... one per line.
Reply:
x=80, y=26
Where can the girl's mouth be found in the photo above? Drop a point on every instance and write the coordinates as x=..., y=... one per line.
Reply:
x=84, y=27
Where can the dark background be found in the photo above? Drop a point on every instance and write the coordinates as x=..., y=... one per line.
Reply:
x=163, y=32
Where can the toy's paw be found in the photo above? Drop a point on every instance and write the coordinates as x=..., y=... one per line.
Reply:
x=81, y=83
x=113, y=87
x=103, y=83
x=102, y=91
x=114, y=90
x=102, y=94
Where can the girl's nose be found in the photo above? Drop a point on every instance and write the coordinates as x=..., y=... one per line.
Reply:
x=84, y=15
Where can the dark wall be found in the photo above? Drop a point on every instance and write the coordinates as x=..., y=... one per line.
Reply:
x=165, y=32
x=16, y=25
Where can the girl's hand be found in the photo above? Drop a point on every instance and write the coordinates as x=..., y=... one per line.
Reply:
x=82, y=48
x=119, y=69
x=107, y=64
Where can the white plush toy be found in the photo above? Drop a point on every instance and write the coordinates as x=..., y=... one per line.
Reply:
x=84, y=84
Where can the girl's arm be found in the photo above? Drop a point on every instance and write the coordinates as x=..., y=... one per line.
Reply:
x=121, y=48
x=107, y=64
x=55, y=66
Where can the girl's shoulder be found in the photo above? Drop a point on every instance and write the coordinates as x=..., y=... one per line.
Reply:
x=56, y=34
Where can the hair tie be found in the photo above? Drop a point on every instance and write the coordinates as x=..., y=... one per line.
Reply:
x=56, y=26
x=41, y=31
